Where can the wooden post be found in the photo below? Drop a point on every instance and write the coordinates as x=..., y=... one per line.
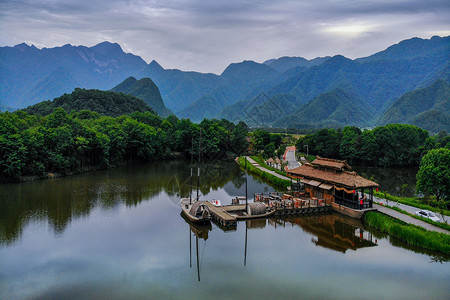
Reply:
x=198, y=266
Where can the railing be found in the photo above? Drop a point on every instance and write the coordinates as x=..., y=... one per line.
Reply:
x=355, y=204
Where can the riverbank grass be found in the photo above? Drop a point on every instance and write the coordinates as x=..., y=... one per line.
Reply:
x=411, y=201
x=264, y=175
x=410, y=234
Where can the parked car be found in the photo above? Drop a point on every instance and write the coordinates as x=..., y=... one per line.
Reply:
x=427, y=214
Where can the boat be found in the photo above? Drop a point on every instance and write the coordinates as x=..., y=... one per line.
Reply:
x=195, y=210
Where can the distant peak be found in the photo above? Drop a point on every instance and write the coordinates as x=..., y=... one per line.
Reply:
x=107, y=47
x=130, y=79
x=23, y=46
x=155, y=66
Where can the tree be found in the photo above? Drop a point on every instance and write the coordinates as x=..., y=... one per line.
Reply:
x=434, y=175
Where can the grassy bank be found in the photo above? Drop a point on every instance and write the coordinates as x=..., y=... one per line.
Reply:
x=264, y=175
x=437, y=224
x=262, y=163
x=412, y=201
x=410, y=234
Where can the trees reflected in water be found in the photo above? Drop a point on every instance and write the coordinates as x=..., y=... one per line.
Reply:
x=59, y=201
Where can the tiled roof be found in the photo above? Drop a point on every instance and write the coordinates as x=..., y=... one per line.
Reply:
x=339, y=178
x=331, y=163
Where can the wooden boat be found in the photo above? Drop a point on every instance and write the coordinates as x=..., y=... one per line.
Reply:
x=196, y=212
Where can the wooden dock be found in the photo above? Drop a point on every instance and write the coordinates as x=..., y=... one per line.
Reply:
x=220, y=215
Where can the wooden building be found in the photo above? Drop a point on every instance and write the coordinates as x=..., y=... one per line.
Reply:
x=333, y=179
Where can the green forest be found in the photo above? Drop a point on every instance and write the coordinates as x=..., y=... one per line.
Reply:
x=62, y=142
x=393, y=145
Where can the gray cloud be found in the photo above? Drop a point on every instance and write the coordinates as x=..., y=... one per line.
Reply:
x=208, y=35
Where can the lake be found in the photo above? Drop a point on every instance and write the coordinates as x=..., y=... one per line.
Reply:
x=118, y=234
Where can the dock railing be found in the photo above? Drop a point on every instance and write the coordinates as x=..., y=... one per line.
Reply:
x=291, y=199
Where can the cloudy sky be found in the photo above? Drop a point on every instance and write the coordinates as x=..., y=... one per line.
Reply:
x=208, y=35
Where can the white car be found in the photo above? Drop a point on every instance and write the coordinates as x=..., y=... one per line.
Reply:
x=427, y=214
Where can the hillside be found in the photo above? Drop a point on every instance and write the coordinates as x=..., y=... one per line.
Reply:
x=260, y=111
x=178, y=88
x=238, y=82
x=335, y=108
x=428, y=106
x=105, y=103
x=146, y=90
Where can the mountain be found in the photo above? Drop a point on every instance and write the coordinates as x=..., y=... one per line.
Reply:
x=412, y=48
x=238, y=81
x=286, y=63
x=260, y=111
x=105, y=103
x=179, y=89
x=335, y=108
x=428, y=106
x=29, y=75
x=146, y=90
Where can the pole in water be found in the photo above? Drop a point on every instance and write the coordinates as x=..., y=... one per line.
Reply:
x=192, y=162
x=198, y=267
x=245, y=255
x=198, y=164
x=246, y=202
x=190, y=248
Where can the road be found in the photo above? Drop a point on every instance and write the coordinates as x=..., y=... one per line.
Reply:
x=256, y=165
x=408, y=208
x=289, y=156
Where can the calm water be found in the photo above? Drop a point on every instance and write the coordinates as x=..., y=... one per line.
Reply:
x=118, y=234
x=396, y=181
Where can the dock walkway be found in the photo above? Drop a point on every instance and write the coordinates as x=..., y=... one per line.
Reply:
x=220, y=215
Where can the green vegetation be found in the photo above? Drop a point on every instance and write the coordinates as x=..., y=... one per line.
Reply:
x=105, y=103
x=266, y=142
x=264, y=175
x=434, y=176
x=331, y=109
x=66, y=143
x=262, y=163
x=410, y=234
x=146, y=90
x=391, y=145
x=432, y=114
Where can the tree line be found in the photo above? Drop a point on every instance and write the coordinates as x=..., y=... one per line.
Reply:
x=69, y=142
x=388, y=146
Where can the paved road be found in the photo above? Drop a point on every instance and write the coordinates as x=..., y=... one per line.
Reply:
x=256, y=165
x=408, y=219
x=408, y=208
x=289, y=156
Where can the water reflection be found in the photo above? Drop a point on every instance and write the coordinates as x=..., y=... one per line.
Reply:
x=396, y=181
x=62, y=200
x=331, y=231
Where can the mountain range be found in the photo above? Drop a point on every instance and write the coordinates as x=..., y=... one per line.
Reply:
x=283, y=92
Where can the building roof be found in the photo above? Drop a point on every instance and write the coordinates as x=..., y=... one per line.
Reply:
x=340, y=178
x=277, y=161
x=270, y=160
x=331, y=163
